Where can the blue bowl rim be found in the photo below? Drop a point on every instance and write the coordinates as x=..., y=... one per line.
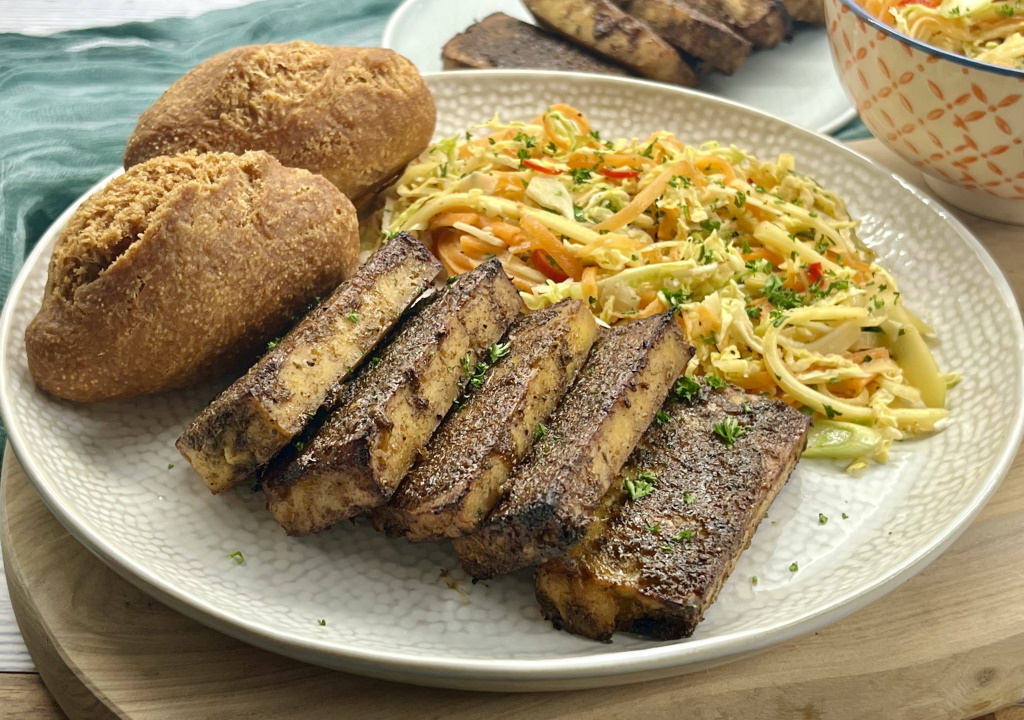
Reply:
x=930, y=49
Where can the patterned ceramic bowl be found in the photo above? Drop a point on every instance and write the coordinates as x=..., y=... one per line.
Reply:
x=959, y=120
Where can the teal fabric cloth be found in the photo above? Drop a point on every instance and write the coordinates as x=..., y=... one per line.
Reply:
x=68, y=102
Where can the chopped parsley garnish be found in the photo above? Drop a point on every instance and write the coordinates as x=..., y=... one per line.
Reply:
x=641, y=486
x=1006, y=11
x=580, y=175
x=794, y=567
x=740, y=200
x=675, y=298
x=170, y=466
x=273, y=343
x=653, y=529
x=822, y=518
x=661, y=417
x=831, y=412
x=237, y=556
x=729, y=430
x=527, y=140
x=709, y=226
x=299, y=445
x=753, y=580
x=498, y=351
x=683, y=535
x=845, y=516
x=686, y=388
x=540, y=431
x=780, y=297
x=353, y=317
x=715, y=381
x=753, y=312
x=578, y=213
x=689, y=497
x=321, y=622
x=374, y=362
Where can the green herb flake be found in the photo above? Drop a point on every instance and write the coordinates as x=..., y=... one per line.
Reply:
x=299, y=446
x=237, y=556
x=498, y=351
x=740, y=200
x=653, y=529
x=683, y=535
x=660, y=418
x=794, y=567
x=689, y=497
x=753, y=580
x=729, y=430
x=353, y=317
x=374, y=362
x=831, y=412
x=170, y=466
x=715, y=381
x=540, y=431
x=273, y=343
x=321, y=622
x=641, y=486
x=822, y=518
x=686, y=389
x=845, y=516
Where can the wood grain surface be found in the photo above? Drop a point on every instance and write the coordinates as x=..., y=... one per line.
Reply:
x=949, y=643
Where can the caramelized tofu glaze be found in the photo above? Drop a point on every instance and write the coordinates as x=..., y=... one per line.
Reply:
x=259, y=414
x=387, y=413
x=653, y=563
x=450, y=491
x=549, y=499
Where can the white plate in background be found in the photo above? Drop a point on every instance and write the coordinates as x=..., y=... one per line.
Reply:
x=794, y=81
x=405, y=612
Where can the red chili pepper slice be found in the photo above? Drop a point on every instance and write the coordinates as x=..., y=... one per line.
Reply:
x=534, y=165
x=814, y=271
x=619, y=173
x=543, y=263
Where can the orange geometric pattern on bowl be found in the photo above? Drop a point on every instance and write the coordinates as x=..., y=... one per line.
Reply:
x=958, y=123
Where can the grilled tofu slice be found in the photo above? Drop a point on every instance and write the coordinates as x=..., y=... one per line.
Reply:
x=259, y=414
x=611, y=33
x=764, y=23
x=549, y=499
x=653, y=563
x=388, y=412
x=808, y=11
x=500, y=41
x=691, y=31
x=450, y=491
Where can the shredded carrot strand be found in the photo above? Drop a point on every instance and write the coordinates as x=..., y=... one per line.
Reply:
x=544, y=240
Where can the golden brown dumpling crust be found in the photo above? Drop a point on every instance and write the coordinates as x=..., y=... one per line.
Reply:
x=182, y=269
x=354, y=115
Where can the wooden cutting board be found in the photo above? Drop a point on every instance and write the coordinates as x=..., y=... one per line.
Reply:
x=947, y=644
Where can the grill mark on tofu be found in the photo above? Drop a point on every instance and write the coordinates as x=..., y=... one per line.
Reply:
x=388, y=412
x=452, y=489
x=654, y=564
x=259, y=414
x=549, y=499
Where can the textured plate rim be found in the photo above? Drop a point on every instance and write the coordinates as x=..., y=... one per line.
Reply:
x=531, y=674
x=397, y=17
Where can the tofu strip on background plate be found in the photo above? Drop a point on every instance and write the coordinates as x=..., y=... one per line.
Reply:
x=460, y=476
x=388, y=411
x=263, y=411
x=548, y=500
x=677, y=518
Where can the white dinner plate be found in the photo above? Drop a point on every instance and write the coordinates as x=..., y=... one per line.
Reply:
x=794, y=81
x=391, y=609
